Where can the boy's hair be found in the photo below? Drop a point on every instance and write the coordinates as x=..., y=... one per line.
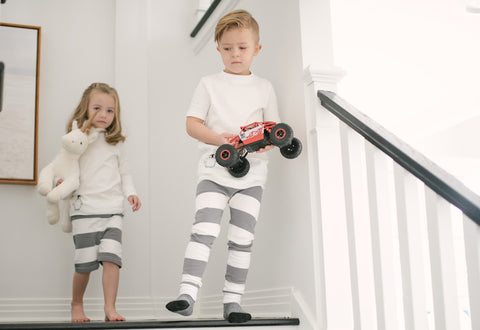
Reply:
x=237, y=19
x=113, y=133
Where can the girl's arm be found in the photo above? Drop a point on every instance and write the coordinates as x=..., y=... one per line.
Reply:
x=134, y=202
x=197, y=129
x=128, y=186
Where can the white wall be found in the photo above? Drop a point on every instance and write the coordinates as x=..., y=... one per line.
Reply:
x=76, y=49
x=144, y=49
x=415, y=68
x=415, y=71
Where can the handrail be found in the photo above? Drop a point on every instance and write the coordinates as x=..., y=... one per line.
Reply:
x=2, y=66
x=444, y=184
x=204, y=18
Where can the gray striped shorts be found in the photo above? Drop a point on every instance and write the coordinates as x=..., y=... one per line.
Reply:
x=97, y=238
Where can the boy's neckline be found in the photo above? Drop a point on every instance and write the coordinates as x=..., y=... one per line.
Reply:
x=238, y=76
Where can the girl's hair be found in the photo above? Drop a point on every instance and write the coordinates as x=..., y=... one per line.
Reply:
x=237, y=19
x=113, y=133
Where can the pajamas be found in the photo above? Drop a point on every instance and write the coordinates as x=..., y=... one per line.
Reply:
x=97, y=238
x=211, y=201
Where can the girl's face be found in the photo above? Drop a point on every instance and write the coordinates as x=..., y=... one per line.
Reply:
x=237, y=48
x=102, y=106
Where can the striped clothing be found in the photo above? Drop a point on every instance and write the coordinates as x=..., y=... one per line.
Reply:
x=97, y=206
x=97, y=238
x=211, y=201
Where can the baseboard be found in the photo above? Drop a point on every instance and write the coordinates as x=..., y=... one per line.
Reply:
x=301, y=310
x=260, y=303
x=269, y=303
x=58, y=309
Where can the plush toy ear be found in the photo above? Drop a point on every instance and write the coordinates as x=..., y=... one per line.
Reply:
x=74, y=125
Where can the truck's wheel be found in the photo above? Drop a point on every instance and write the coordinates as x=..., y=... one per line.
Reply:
x=281, y=135
x=240, y=169
x=293, y=150
x=226, y=155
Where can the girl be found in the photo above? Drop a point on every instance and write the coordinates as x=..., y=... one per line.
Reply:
x=96, y=207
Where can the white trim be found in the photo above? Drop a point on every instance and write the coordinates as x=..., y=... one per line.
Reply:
x=473, y=6
x=58, y=309
x=301, y=310
x=323, y=78
x=206, y=32
x=275, y=302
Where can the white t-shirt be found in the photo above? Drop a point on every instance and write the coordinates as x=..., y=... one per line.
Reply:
x=105, y=179
x=225, y=102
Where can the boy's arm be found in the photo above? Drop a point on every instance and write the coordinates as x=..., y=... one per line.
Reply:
x=197, y=129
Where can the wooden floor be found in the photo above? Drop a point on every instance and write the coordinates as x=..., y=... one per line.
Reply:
x=258, y=322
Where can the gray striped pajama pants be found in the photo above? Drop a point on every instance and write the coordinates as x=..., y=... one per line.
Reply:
x=97, y=238
x=210, y=202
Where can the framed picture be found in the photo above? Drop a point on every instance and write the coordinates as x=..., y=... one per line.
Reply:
x=19, y=87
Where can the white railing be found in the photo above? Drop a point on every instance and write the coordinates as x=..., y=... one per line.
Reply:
x=399, y=238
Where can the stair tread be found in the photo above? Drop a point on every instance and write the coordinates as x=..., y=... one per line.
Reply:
x=149, y=324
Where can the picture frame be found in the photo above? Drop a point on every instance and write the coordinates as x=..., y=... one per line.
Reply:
x=20, y=56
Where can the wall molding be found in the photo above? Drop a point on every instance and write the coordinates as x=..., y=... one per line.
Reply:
x=268, y=303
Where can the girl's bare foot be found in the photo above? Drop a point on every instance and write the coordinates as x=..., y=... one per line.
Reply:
x=78, y=315
x=113, y=316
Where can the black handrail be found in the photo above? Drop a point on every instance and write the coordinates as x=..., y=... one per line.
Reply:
x=204, y=18
x=444, y=184
x=2, y=66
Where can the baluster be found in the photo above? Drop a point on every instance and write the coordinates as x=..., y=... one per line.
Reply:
x=472, y=253
x=445, y=301
x=337, y=296
x=409, y=218
x=352, y=252
x=383, y=239
x=360, y=218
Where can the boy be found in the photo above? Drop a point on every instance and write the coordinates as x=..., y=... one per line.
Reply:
x=220, y=105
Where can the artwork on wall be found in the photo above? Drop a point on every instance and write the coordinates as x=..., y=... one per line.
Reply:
x=20, y=55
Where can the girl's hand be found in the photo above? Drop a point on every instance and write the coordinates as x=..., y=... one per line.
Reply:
x=59, y=182
x=135, y=202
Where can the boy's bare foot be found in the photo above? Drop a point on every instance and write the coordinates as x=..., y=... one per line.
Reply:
x=113, y=316
x=78, y=315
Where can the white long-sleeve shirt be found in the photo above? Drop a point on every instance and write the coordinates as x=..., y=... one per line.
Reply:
x=105, y=179
x=225, y=102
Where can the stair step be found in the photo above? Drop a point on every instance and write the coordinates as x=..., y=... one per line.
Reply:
x=152, y=324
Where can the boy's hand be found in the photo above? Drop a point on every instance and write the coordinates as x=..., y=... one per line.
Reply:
x=225, y=138
x=269, y=147
x=135, y=202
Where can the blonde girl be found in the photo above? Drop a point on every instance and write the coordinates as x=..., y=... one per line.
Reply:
x=97, y=206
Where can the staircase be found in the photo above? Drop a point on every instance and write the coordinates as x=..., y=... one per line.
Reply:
x=260, y=323
x=406, y=243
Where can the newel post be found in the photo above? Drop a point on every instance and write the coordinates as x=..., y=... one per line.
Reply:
x=330, y=236
x=333, y=308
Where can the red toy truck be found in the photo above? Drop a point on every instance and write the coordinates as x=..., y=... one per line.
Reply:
x=253, y=137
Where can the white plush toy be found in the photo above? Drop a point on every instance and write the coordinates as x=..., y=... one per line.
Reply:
x=64, y=166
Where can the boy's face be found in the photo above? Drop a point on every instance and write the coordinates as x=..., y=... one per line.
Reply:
x=237, y=48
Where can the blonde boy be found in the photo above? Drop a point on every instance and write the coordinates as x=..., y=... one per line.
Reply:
x=221, y=104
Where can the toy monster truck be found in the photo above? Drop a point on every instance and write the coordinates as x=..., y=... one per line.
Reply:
x=253, y=137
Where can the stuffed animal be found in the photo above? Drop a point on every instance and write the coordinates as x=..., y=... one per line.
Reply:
x=64, y=166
